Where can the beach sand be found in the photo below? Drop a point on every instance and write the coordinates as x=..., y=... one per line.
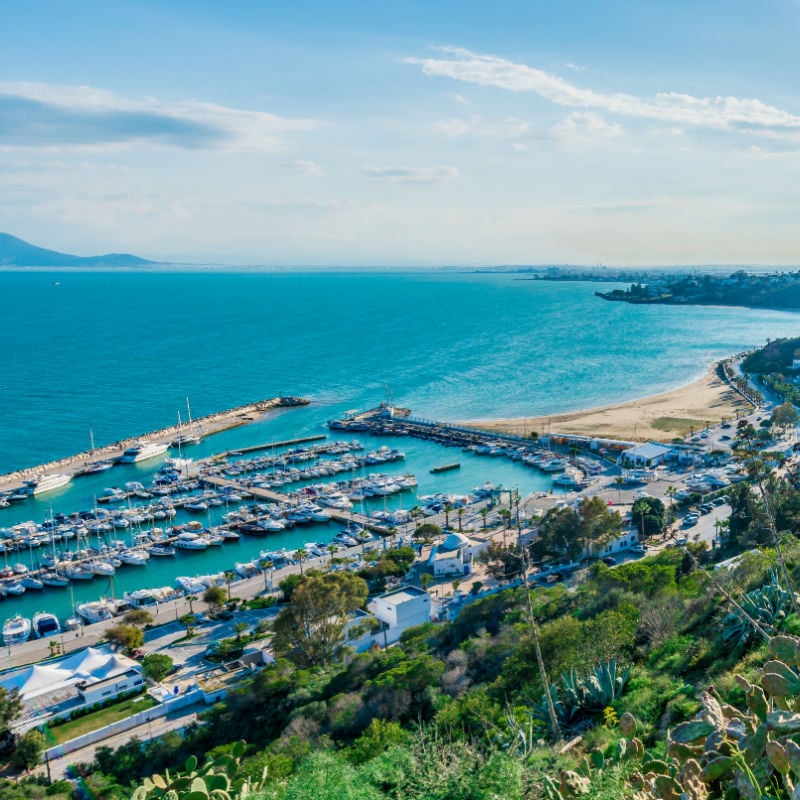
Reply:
x=659, y=418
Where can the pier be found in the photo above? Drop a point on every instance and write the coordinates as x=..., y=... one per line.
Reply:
x=276, y=497
x=272, y=445
x=203, y=426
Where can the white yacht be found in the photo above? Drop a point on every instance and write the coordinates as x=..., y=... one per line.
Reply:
x=142, y=451
x=96, y=611
x=47, y=483
x=16, y=630
x=191, y=541
x=45, y=624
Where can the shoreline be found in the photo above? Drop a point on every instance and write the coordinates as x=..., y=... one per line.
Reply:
x=204, y=426
x=660, y=417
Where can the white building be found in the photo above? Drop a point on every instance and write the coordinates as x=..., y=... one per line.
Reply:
x=452, y=557
x=402, y=608
x=648, y=454
x=81, y=679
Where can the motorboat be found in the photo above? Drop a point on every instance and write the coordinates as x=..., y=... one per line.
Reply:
x=16, y=630
x=47, y=483
x=54, y=579
x=143, y=451
x=162, y=550
x=191, y=541
x=29, y=582
x=45, y=624
x=96, y=611
x=76, y=572
x=137, y=557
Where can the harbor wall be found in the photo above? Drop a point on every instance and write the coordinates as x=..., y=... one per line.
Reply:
x=207, y=425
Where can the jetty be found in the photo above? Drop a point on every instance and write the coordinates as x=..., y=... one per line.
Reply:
x=445, y=468
x=203, y=426
x=340, y=515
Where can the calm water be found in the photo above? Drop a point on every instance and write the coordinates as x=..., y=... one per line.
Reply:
x=119, y=353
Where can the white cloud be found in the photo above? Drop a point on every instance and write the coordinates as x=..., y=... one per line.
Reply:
x=520, y=147
x=308, y=167
x=412, y=174
x=47, y=115
x=584, y=126
x=670, y=107
x=452, y=127
x=574, y=67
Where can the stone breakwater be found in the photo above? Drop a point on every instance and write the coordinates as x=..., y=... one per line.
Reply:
x=204, y=426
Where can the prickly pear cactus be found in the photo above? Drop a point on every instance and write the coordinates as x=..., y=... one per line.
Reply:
x=215, y=780
x=752, y=753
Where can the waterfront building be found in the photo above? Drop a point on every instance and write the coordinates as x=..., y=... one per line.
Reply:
x=402, y=608
x=60, y=687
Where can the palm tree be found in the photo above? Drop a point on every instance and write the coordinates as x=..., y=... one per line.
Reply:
x=447, y=509
x=671, y=492
x=300, y=555
x=332, y=548
x=229, y=576
x=239, y=627
x=460, y=513
x=484, y=514
x=619, y=481
x=266, y=565
x=416, y=513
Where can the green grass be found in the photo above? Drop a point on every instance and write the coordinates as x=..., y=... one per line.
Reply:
x=63, y=732
x=679, y=425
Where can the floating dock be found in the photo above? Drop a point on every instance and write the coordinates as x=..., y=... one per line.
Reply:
x=445, y=468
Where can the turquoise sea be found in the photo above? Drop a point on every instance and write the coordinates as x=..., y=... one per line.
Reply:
x=118, y=353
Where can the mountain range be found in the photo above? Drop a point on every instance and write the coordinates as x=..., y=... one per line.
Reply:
x=15, y=252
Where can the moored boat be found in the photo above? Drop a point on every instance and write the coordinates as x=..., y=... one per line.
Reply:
x=45, y=624
x=16, y=630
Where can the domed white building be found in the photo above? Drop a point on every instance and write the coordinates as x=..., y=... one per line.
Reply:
x=452, y=557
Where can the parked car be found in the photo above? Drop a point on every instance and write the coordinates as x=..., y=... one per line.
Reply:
x=639, y=548
x=719, y=501
x=609, y=561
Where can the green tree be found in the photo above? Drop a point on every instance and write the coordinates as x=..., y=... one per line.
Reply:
x=188, y=621
x=427, y=531
x=503, y=563
x=288, y=585
x=300, y=556
x=214, y=597
x=126, y=637
x=28, y=752
x=138, y=616
x=157, y=666
x=558, y=535
x=311, y=629
x=648, y=516
x=239, y=628
x=785, y=416
x=10, y=707
x=598, y=523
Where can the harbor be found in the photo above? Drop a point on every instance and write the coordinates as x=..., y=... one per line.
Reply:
x=183, y=524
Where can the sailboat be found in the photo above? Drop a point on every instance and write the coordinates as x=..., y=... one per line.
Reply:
x=93, y=467
x=189, y=437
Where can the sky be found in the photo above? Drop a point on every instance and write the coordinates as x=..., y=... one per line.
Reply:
x=411, y=133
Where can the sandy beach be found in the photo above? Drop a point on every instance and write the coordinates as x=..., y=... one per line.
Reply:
x=661, y=417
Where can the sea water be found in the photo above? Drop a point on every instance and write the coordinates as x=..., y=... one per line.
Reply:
x=118, y=353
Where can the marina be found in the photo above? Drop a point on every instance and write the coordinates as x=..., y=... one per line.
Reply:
x=184, y=523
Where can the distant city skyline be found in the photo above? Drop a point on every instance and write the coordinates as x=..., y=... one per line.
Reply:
x=403, y=134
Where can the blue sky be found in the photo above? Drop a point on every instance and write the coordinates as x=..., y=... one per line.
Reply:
x=404, y=133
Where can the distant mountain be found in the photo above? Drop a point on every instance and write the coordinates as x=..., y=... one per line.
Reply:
x=16, y=253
